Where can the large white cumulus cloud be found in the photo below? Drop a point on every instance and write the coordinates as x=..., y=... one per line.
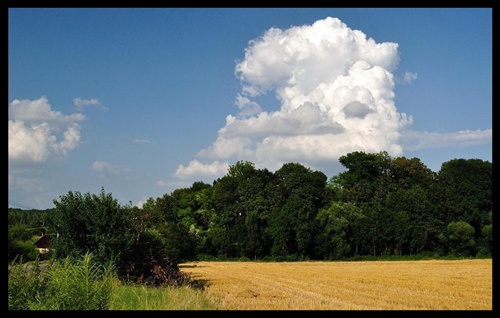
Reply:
x=37, y=133
x=336, y=90
x=335, y=87
x=304, y=57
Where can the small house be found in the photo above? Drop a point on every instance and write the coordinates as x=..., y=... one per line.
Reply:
x=42, y=244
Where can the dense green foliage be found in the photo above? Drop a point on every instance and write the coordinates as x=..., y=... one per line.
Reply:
x=379, y=206
x=91, y=223
x=21, y=243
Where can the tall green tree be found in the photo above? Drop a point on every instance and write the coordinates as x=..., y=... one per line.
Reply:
x=414, y=222
x=243, y=200
x=464, y=192
x=228, y=231
x=458, y=239
x=339, y=235
x=194, y=212
x=485, y=244
x=407, y=173
x=258, y=198
x=367, y=177
x=90, y=223
x=393, y=195
x=293, y=227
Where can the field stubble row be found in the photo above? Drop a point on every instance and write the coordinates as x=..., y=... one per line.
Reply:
x=375, y=285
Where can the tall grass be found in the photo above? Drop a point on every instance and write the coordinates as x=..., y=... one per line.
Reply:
x=84, y=285
x=139, y=297
x=62, y=285
x=24, y=281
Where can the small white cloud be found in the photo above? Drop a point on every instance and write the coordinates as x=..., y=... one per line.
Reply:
x=107, y=169
x=39, y=111
x=196, y=168
x=142, y=141
x=81, y=103
x=409, y=77
x=37, y=133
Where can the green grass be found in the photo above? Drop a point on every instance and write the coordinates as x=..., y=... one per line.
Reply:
x=138, y=297
x=64, y=285
x=83, y=285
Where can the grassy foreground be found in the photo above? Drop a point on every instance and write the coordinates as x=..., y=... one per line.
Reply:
x=360, y=285
x=375, y=285
x=129, y=297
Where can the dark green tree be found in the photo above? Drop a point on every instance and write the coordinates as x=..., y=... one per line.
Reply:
x=339, y=235
x=414, y=223
x=243, y=200
x=367, y=178
x=458, y=239
x=166, y=204
x=293, y=227
x=394, y=196
x=258, y=198
x=29, y=218
x=407, y=173
x=228, y=230
x=90, y=223
x=20, y=243
x=485, y=244
x=464, y=192
x=194, y=213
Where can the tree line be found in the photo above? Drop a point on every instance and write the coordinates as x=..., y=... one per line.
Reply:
x=379, y=206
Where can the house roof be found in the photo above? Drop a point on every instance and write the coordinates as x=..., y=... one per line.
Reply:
x=43, y=241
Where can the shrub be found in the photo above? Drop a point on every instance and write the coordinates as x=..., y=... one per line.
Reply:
x=151, y=264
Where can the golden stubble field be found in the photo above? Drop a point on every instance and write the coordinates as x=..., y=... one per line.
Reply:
x=376, y=285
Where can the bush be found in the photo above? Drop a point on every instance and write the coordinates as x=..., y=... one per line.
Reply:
x=151, y=264
x=20, y=244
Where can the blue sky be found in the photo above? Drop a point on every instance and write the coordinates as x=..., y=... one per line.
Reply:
x=141, y=102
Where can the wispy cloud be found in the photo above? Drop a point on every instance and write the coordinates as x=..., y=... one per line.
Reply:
x=409, y=77
x=141, y=141
x=414, y=140
x=107, y=169
x=82, y=103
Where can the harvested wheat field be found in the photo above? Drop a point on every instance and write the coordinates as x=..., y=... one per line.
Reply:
x=377, y=285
